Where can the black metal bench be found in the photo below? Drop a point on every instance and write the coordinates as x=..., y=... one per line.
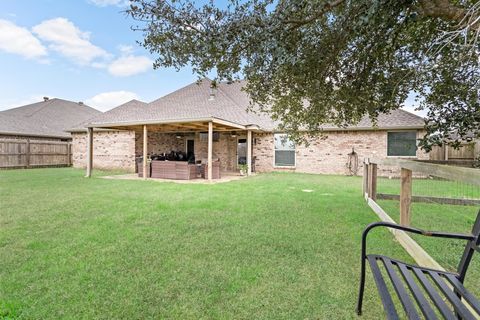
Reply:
x=445, y=290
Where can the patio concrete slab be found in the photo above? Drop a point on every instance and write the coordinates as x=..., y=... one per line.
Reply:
x=225, y=177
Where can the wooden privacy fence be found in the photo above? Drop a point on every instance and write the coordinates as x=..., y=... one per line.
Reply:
x=34, y=153
x=467, y=151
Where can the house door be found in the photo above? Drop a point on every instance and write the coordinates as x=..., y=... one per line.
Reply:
x=241, y=151
x=190, y=151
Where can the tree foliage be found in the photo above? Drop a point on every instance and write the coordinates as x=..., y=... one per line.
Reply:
x=311, y=62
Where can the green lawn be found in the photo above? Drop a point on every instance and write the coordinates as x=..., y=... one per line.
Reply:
x=431, y=187
x=258, y=248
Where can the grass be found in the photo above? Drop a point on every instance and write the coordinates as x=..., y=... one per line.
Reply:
x=258, y=248
x=431, y=187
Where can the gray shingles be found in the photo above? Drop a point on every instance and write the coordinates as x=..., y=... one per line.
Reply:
x=230, y=104
x=47, y=118
x=128, y=111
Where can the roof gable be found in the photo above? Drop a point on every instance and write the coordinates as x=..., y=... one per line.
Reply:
x=47, y=118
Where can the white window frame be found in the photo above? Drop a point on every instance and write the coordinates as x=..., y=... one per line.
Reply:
x=294, y=153
x=239, y=137
x=404, y=157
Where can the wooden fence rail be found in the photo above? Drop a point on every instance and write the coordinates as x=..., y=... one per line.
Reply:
x=16, y=153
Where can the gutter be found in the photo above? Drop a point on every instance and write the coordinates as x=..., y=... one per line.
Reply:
x=374, y=128
x=83, y=130
x=35, y=135
x=399, y=128
x=172, y=121
x=234, y=125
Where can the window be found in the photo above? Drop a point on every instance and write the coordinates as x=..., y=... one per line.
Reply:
x=284, y=151
x=403, y=144
x=204, y=136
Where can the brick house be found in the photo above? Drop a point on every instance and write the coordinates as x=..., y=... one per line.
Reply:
x=209, y=124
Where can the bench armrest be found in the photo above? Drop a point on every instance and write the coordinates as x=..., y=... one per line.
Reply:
x=436, y=234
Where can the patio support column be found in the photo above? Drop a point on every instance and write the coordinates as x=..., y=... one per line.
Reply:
x=145, y=151
x=210, y=150
x=89, y=152
x=249, y=152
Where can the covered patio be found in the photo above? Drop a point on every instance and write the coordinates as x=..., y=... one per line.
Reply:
x=205, y=147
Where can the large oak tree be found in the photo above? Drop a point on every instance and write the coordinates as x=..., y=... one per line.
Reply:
x=314, y=62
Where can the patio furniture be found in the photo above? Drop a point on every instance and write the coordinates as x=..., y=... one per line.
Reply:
x=177, y=170
x=140, y=169
x=215, y=170
x=199, y=168
x=445, y=290
x=185, y=170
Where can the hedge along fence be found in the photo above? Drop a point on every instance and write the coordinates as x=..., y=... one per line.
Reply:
x=408, y=169
x=15, y=153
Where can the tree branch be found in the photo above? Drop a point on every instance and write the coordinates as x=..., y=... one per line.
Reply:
x=326, y=7
x=443, y=9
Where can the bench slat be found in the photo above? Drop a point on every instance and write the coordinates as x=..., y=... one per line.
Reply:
x=424, y=305
x=451, y=296
x=388, y=304
x=402, y=293
x=471, y=299
x=436, y=298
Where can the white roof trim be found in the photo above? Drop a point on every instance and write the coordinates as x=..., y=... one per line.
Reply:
x=26, y=134
x=170, y=121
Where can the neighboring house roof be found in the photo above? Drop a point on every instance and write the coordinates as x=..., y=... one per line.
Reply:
x=48, y=118
x=128, y=111
x=194, y=103
x=123, y=111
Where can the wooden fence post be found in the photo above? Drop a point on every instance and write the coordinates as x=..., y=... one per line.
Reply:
x=19, y=154
x=69, y=160
x=365, y=178
x=27, y=154
x=405, y=197
x=372, y=194
x=89, y=152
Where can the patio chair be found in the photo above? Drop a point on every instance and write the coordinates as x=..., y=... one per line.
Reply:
x=215, y=170
x=440, y=286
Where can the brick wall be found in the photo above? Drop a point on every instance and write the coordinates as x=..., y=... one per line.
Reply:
x=159, y=143
x=111, y=150
x=224, y=149
x=329, y=154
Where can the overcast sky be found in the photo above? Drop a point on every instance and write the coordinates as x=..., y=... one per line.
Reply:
x=79, y=50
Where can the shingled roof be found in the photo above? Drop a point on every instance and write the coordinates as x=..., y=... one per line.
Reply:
x=194, y=102
x=48, y=118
